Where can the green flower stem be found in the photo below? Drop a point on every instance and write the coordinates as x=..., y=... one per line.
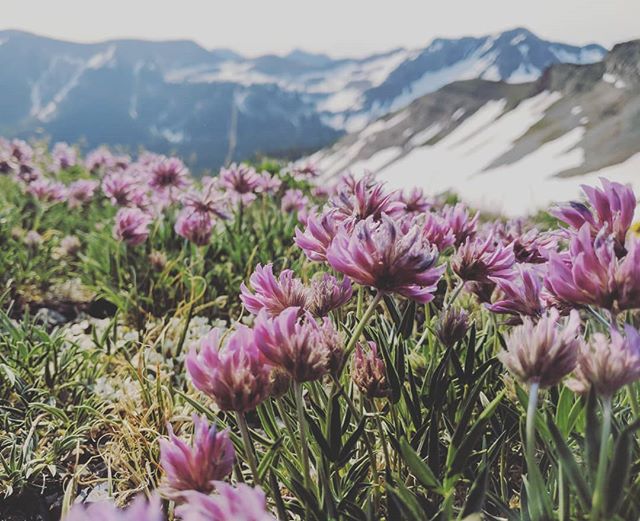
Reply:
x=288, y=425
x=599, y=317
x=598, y=494
x=249, y=450
x=239, y=217
x=358, y=416
x=531, y=423
x=564, y=505
x=297, y=390
x=361, y=325
x=383, y=438
x=455, y=294
x=396, y=426
x=633, y=400
x=185, y=330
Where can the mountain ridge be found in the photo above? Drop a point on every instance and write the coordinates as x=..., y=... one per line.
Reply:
x=496, y=142
x=179, y=96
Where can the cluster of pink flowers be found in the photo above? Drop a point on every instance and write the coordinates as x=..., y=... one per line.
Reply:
x=600, y=270
x=273, y=295
x=154, y=185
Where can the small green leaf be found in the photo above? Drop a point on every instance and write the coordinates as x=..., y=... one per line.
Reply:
x=570, y=466
x=418, y=467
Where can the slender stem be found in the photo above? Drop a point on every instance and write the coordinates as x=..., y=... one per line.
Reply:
x=383, y=438
x=396, y=426
x=356, y=414
x=563, y=510
x=531, y=423
x=633, y=400
x=360, y=327
x=297, y=389
x=455, y=294
x=239, y=217
x=359, y=301
x=185, y=329
x=249, y=450
x=600, y=318
x=598, y=494
x=288, y=424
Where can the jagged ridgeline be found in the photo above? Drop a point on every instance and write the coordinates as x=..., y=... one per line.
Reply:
x=513, y=147
x=217, y=106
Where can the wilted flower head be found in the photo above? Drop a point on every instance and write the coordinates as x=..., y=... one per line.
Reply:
x=294, y=342
x=132, y=226
x=364, y=200
x=460, y=223
x=194, y=226
x=64, y=156
x=521, y=295
x=234, y=375
x=272, y=294
x=415, y=201
x=241, y=181
x=438, y=232
x=81, y=192
x=168, y=173
x=381, y=255
x=209, y=458
x=240, y=503
x=158, y=260
x=452, y=326
x=607, y=365
x=543, y=352
x=327, y=293
x=481, y=260
x=33, y=239
x=611, y=207
x=70, y=245
x=320, y=231
x=369, y=372
x=293, y=201
x=140, y=510
x=47, y=191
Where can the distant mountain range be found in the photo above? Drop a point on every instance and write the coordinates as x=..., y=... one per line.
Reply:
x=215, y=106
x=512, y=148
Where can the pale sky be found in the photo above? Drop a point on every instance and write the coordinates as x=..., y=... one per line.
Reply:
x=336, y=27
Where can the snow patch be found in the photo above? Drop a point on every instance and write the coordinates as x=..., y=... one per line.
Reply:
x=458, y=114
x=376, y=161
x=425, y=135
x=614, y=80
x=380, y=125
x=525, y=72
x=460, y=160
x=97, y=61
x=583, y=56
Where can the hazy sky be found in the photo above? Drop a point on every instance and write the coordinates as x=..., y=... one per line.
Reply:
x=338, y=27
